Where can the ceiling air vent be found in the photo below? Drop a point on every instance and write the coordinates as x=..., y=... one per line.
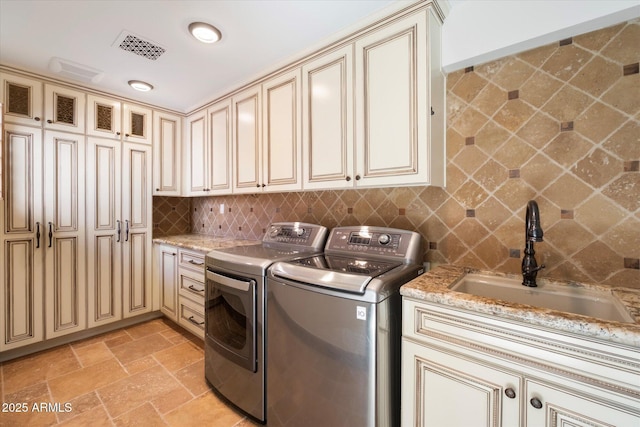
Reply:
x=75, y=71
x=133, y=43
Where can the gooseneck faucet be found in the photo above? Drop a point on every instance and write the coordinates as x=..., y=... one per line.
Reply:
x=533, y=233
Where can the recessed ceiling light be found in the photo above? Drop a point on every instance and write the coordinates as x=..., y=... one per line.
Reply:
x=204, y=32
x=140, y=85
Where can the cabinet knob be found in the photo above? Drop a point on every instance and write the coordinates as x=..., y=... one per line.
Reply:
x=348, y=178
x=432, y=112
x=37, y=119
x=49, y=121
x=535, y=402
x=357, y=177
x=257, y=185
x=264, y=185
x=126, y=135
x=118, y=133
x=510, y=393
x=157, y=189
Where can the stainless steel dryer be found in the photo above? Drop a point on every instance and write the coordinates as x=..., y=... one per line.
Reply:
x=235, y=311
x=334, y=330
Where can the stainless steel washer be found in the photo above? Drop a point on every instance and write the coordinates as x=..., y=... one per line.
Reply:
x=235, y=311
x=334, y=330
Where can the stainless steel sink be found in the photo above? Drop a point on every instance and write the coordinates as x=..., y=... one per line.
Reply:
x=562, y=297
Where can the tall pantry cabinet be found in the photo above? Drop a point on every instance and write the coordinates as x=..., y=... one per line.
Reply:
x=118, y=211
x=42, y=254
x=75, y=244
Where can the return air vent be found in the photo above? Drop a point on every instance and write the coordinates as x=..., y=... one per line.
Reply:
x=75, y=71
x=136, y=44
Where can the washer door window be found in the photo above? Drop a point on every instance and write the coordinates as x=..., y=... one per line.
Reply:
x=230, y=321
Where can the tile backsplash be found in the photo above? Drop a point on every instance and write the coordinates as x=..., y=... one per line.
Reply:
x=559, y=124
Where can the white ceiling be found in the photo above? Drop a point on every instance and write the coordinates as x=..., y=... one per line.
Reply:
x=257, y=35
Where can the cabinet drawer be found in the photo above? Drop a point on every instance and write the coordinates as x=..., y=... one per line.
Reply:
x=191, y=285
x=191, y=260
x=191, y=316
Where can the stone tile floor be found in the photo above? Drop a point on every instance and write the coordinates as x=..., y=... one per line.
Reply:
x=150, y=374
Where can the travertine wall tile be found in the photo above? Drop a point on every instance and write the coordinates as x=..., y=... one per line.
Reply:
x=559, y=124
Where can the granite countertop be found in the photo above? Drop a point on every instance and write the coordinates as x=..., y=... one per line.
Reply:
x=433, y=286
x=202, y=242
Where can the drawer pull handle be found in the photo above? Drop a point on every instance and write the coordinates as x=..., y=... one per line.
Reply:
x=194, y=289
x=194, y=321
x=535, y=402
x=510, y=393
x=195, y=263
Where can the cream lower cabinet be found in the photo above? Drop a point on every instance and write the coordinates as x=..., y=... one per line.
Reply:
x=463, y=369
x=43, y=245
x=191, y=278
x=180, y=276
x=167, y=279
x=118, y=230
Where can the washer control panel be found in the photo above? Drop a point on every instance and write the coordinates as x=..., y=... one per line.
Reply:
x=378, y=241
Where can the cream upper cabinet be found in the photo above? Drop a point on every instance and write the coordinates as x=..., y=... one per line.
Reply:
x=511, y=373
x=196, y=165
x=23, y=238
x=395, y=140
x=247, y=141
x=64, y=109
x=137, y=124
x=208, y=151
x=167, y=137
x=267, y=136
x=219, y=151
x=22, y=100
x=282, y=133
x=327, y=121
x=111, y=118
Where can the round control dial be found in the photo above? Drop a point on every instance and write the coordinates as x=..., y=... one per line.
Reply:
x=299, y=232
x=274, y=231
x=384, y=239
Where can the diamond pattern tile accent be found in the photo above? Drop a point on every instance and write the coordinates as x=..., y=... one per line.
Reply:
x=518, y=153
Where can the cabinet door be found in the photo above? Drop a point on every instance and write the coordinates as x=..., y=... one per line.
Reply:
x=168, y=280
x=136, y=242
x=22, y=100
x=65, y=284
x=167, y=137
x=137, y=124
x=104, y=117
x=437, y=385
x=550, y=405
x=391, y=103
x=282, y=138
x=197, y=163
x=104, y=231
x=21, y=253
x=327, y=122
x=247, y=171
x=219, y=154
x=64, y=109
